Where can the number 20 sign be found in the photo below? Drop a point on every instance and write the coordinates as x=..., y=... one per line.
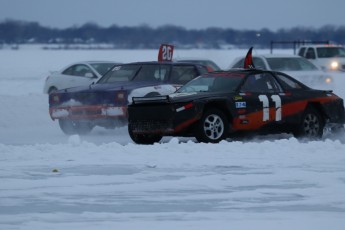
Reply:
x=165, y=52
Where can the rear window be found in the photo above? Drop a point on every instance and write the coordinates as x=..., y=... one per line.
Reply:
x=288, y=83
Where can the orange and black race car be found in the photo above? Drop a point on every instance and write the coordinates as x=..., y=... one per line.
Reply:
x=219, y=104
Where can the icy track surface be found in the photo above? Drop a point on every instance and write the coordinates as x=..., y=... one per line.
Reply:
x=104, y=181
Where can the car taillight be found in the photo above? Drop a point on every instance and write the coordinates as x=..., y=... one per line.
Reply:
x=54, y=99
x=120, y=96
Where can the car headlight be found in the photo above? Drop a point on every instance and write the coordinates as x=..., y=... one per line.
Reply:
x=328, y=80
x=334, y=65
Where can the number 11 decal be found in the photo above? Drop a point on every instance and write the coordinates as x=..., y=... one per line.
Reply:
x=266, y=108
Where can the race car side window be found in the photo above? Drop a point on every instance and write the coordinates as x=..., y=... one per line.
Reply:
x=288, y=83
x=261, y=83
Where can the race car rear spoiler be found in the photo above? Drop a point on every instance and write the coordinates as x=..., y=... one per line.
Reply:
x=155, y=99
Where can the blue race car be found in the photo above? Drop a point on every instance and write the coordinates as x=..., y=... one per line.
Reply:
x=104, y=103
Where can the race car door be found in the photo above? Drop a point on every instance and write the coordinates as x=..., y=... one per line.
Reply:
x=259, y=102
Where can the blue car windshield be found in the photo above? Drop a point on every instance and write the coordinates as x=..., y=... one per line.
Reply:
x=120, y=73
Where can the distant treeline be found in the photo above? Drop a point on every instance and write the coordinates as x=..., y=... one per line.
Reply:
x=19, y=32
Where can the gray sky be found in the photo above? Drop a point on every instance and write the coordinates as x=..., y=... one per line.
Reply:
x=191, y=14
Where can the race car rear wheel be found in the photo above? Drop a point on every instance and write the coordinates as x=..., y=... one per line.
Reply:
x=311, y=126
x=144, y=139
x=212, y=127
x=70, y=127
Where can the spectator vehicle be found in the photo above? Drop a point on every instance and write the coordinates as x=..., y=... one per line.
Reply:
x=327, y=56
x=105, y=102
x=77, y=74
x=229, y=103
x=293, y=65
x=211, y=65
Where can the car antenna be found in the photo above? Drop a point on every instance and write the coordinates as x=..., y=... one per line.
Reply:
x=248, y=61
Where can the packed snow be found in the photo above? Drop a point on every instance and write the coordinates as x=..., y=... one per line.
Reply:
x=105, y=181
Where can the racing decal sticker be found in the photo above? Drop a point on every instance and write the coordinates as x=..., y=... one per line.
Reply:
x=190, y=105
x=266, y=109
x=181, y=94
x=236, y=98
x=116, y=68
x=240, y=104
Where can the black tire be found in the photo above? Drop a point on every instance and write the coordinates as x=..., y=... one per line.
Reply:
x=144, y=139
x=212, y=127
x=70, y=127
x=311, y=126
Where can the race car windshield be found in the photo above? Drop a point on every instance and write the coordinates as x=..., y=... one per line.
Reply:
x=211, y=83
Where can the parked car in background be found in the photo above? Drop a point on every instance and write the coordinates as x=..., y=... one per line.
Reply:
x=77, y=74
x=293, y=65
x=211, y=65
x=326, y=56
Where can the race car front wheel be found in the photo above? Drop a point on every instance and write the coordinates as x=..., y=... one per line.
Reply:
x=312, y=125
x=144, y=139
x=70, y=127
x=212, y=127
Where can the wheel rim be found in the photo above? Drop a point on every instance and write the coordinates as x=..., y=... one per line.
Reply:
x=213, y=127
x=311, y=125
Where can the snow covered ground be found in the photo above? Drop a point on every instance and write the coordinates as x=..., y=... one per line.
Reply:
x=103, y=181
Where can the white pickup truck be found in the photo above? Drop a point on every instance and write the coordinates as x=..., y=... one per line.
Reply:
x=326, y=56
